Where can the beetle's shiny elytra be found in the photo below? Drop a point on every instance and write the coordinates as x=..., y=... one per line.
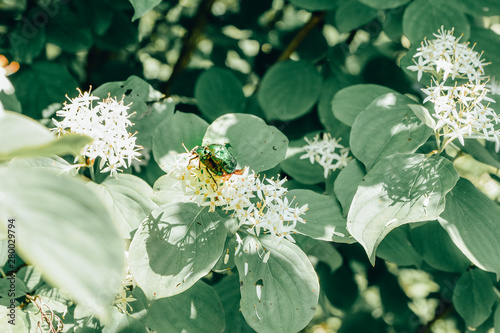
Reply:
x=216, y=158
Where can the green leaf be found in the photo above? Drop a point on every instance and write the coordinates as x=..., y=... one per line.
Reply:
x=400, y=189
x=324, y=219
x=121, y=32
x=481, y=8
x=228, y=289
x=27, y=40
x=41, y=84
x=423, y=114
x=473, y=297
x=255, y=144
x=497, y=318
x=289, y=286
x=329, y=89
x=197, y=309
x=79, y=37
x=315, y=4
x=481, y=153
x=351, y=101
x=301, y=169
x=471, y=220
x=21, y=320
x=218, y=91
x=167, y=190
x=387, y=126
x=123, y=322
x=141, y=7
x=384, y=4
x=437, y=249
x=128, y=198
x=179, y=128
x=62, y=228
x=347, y=182
x=422, y=18
x=397, y=248
x=54, y=163
x=146, y=123
x=12, y=287
x=20, y=132
x=289, y=89
x=489, y=42
x=71, y=144
x=175, y=246
x=353, y=14
x=10, y=102
x=323, y=251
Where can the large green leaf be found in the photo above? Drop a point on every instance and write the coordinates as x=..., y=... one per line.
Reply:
x=384, y=4
x=422, y=18
x=489, y=42
x=63, y=228
x=26, y=40
x=437, y=249
x=123, y=322
x=324, y=219
x=197, y=309
x=400, y=189
x=256, y=144
x=146, y=123
x=288, y=285
x=79, y=37
x=180, y=128
x=481, y=8
x=218, y=91
x=387, y=126
x=141, y=7
x=289, y=89
x=228, y=289
x=473, y=297
x=41, y=84
x=471, y=220
x=129, y=199
x=323, y=251
x=353, y=14
x=346, y=183
x=315, y=4
x=397, y=248
x=54, y=163
x=350, y=101
x=175, y=246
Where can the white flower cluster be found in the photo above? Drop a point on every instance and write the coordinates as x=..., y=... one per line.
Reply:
x=255, y=203
x=107, y=124
x=323, y=151
x=462, y=111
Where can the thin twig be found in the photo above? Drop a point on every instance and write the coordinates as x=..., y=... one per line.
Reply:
x=315, y=19
x=191, y=40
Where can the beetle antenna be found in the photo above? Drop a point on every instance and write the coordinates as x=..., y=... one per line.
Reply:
x=187, y=151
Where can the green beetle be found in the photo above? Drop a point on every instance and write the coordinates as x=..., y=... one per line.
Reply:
x=216, y=158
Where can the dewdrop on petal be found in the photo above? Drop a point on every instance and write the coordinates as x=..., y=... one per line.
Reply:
x=106, y=122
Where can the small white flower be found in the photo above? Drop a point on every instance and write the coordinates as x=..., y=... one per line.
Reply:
x=107, y=124
x=323, y=151
x=462, y=111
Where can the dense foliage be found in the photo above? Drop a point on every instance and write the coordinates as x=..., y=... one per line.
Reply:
x=241, y=166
